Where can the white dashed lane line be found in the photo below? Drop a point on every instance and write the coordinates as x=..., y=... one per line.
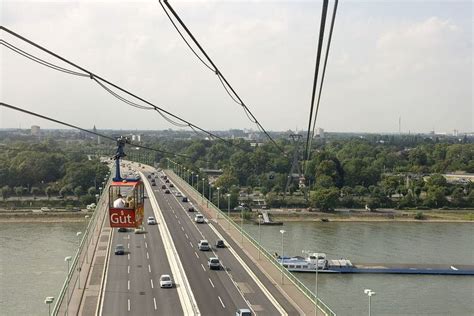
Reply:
x=222, y=303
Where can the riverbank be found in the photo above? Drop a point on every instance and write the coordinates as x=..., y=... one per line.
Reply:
x=436, y=216
x=7, y=216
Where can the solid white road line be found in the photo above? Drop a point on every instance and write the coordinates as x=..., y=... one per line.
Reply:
x=186, y=296
x=203, y=267
x=222, y=303
x=149, y=268
x=210, y=281
x=154, y=303
x=151, y=282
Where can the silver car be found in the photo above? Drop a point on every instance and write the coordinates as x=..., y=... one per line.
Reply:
x=204, y=245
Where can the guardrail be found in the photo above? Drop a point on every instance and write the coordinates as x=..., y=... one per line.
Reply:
x=72, y=277
x=290, y=276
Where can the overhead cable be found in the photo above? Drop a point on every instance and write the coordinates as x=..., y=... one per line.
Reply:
x=323, y=75
x=12, y=107
x=92, y=75
x=316, y=71
x=227, y=86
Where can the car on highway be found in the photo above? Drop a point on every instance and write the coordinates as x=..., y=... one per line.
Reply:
x=184, y=199
x=166, y=281
x=167, y=181
x=167, y=191
x=191, y=209
x=199, y=218
x=203, y=245
x=119, y=249
x=163, y=187
x=213, y=263
x=171, y=185
x=122, y=230
x=243, y=312
x=149, y=176
x=139, y=230
x=178, y=194
x=220, y=243
x=151, y=220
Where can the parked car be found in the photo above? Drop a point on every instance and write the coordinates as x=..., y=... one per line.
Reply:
x=166, y=281
x=203, y=245
x=220, y=243
x=119, y=249
x=184, y=199
x=213, y=263
x=191, y=209
x=151, y=220
x=199, y=218
x=122, y=230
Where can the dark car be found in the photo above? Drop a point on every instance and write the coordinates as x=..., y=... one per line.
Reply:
x=191, y=209
x=163, y=187
x=122, y=230
x=171, y=185
x=184, y=199
x=119, y=249
x=149, y=177
x=167, y=181
x=220, y=244
x=153, y=184
x=167, y=192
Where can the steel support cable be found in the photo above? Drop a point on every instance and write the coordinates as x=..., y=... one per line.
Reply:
x=122, y=98
x=316, y=70
x=182, y=36
x=12, y=107
x=220, y=75
x=39, y=60
x=92, y=75
x=323, y=75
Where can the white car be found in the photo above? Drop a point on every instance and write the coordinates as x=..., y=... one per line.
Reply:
x=204, y=245
x=166, y=281
x=139, y=230
x=178, y=194
x=214, y=263
x=199, y=218
x=151, y=220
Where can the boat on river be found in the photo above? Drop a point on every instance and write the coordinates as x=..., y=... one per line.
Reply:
x=319, y=262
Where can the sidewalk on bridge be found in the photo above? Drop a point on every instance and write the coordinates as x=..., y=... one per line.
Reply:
x=288, y=289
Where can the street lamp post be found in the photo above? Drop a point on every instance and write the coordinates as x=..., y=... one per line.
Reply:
x=197, y=182
x=242, y=224
x=210, y=194
x=282, y=232
x=316, y=284
x=67, y=259
x=259, y=235
x=48, y=302
x=192, y=179
x=78, y=234
x=218, y=202
x=369, y=293
x=202, y=193
x=85, y=229
x=228, y=210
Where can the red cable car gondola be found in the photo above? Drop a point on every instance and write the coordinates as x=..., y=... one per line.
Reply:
x=126, y=196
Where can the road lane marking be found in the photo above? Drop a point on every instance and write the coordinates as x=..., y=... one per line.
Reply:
x=128, y=256
x=144, y=236
x=128, y=269
x=149, y=268
x=128, y=304
x=179, y=222
x=175, y=215
x=187, y=237
x=222, y=303
x=151, y=282
x=210, y=281
x=128, y=285
x=191, y=244
x=146, y=245
x=154, y=303
x=128, y=245
x=197, y=256
x=182, y=228
x=203, y=267
x=147, y=255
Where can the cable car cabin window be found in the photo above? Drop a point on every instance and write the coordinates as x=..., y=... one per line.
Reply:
x=126, y=196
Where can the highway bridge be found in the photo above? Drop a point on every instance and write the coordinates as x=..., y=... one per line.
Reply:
x=129, y=284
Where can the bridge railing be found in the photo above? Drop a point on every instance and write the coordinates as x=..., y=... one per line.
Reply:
x=72, y=278
x=290, y=276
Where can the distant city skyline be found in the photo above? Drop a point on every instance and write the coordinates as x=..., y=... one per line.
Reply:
x=388, y=60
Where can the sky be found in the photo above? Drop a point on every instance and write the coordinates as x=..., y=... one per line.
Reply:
x=388, y=60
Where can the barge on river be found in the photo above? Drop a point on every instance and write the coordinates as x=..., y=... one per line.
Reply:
x=323, y=265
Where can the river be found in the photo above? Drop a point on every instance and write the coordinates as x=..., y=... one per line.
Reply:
x=32, y=264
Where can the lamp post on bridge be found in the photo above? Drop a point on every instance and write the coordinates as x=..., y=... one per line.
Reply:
x=282, y=232
x=259, y=235
x=192, y=179
x=67, y=259
x=228, y=210
x=369, y=293
x=85, y=229
x=202, y=193
x=48, y=302
x=78, y=234
x=218, y=201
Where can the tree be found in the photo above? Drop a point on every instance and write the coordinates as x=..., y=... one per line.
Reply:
x=324, y=181
x=325, y=199
x=35, y=191
x=65, y=190
x=49, y=191
x=19, y=191
x=6, y=191
x=435, y=197
x=457, y=198
x=437, y=180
